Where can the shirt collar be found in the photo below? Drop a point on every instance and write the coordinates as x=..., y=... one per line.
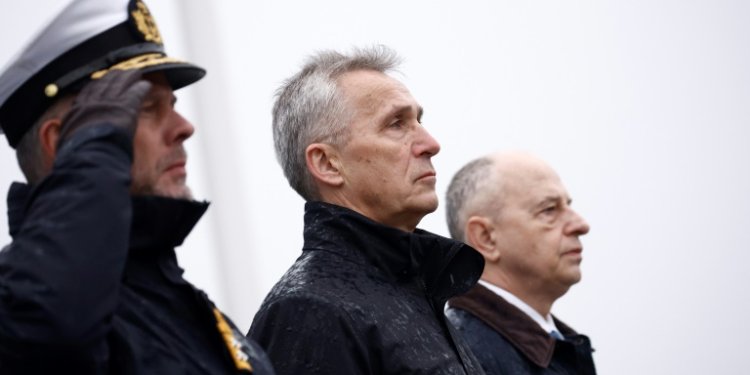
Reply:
x=547, y=323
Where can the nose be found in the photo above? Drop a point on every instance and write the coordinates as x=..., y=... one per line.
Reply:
x=181, y=128
x=577, y=225
x=425, y=144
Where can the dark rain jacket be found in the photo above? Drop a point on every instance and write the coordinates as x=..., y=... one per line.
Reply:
x=507, y=341
x=364, y=298
x=90, y=283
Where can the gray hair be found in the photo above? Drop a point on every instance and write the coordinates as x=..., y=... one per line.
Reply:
x=29, y=151
x=309, y=108
x=465, y=195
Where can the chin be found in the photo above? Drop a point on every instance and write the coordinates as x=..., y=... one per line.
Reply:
x=184, y=193
x=574, y=278
x=424, y=209
x=428, y=203
x=176, y=192
x=432, y=206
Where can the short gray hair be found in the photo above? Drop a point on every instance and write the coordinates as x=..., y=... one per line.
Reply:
x=29, y=151
x=309, y=108
x=465, y=194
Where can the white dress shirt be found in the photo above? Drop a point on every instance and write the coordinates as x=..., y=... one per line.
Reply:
x=547, y=324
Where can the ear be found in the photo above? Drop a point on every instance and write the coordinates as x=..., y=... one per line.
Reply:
x=49, y=136
x=322, y=162
x=480, y=235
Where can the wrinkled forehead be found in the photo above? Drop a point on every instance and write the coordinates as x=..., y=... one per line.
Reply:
x=370, y=91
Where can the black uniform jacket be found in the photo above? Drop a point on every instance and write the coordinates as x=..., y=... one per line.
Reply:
x=364, y=298
x=507, y=341
x=90, y=283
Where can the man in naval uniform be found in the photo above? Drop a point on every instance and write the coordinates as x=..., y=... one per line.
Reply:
x=90, y=282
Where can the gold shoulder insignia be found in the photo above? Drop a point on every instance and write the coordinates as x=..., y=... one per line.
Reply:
x=234, y=344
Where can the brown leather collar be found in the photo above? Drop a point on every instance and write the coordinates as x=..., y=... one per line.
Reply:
x=517, y=327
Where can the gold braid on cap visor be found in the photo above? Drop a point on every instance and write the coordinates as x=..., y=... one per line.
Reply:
x=138, y=62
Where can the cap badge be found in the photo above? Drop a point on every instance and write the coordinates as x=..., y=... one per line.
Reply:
x=145, y=23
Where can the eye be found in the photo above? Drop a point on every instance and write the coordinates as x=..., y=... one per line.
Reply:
x=149, y=106
x=396, y=124
x=549, y=210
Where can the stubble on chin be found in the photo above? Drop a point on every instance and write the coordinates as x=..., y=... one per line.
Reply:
x=178, y=190
x=162, y=185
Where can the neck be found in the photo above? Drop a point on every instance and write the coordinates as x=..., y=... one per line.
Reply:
x=541, y=302
x=404, y=221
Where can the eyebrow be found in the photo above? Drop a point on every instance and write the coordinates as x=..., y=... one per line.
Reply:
x=401, y=109
x=553, y=199
x=547, y=200
x=156, y=96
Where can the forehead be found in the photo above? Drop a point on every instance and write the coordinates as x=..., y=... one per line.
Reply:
x=372, y=92
x=532, y=184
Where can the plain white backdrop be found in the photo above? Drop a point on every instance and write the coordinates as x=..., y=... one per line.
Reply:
x=642, y=106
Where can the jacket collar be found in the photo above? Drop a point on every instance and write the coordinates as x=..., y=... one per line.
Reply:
x=517, y=327
x=18, y=194
x=160, y=222
x=447, y=267
x=157, y=222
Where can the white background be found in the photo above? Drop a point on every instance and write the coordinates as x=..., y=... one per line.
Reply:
x=641, y=106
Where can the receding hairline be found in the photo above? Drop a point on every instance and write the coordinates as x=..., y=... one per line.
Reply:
x=503, y=167
x=522, y=176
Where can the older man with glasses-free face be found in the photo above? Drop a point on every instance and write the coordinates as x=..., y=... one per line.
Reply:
x=366, y=296
x=513, y=208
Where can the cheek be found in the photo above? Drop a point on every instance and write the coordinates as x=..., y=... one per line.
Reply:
x=376, y=164
x=549, y=245
x=144, y=137
x=139, y=168
x=535, y=243
x=512, y=239
x=145, y=147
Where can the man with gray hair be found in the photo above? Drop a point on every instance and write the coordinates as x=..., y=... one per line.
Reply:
x=513, y=208
x=367, y=294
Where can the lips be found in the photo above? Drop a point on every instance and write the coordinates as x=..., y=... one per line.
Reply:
x=178, y=166
x=174, y=160
x=574, y=252
x=430, y=174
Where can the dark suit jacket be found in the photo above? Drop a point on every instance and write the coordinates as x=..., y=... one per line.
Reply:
x=507, y=341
